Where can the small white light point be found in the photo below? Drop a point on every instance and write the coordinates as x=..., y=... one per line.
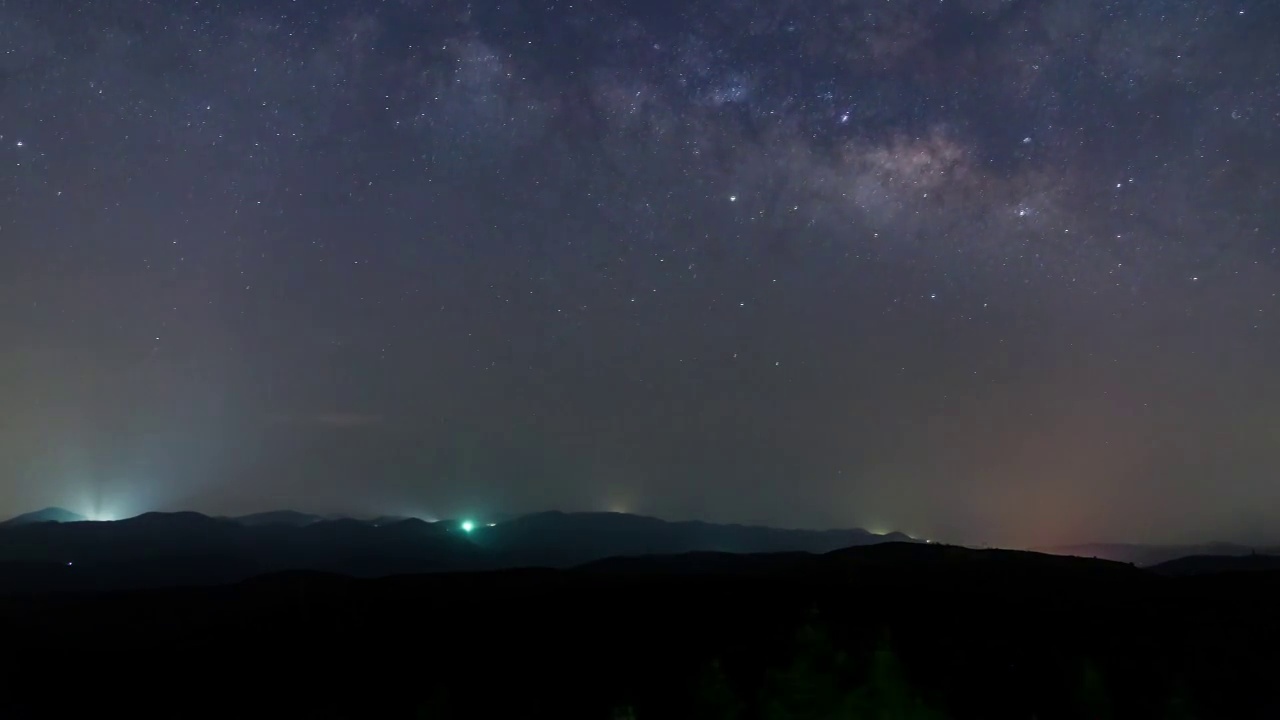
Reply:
x=468, y=526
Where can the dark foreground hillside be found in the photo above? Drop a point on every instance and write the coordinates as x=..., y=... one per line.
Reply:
x=888, y=631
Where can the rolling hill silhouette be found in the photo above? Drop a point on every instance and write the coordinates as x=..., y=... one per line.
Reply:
x=49, y=514
x=1152, y=555
x=278, y=517
x=557, y=539
x=1217, y=564
x=633, y=609
x=158, y=549
x=56, y=549
x=664, y=633
x=902, y=564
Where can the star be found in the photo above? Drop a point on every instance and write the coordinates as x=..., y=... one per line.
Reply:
x=445, y=217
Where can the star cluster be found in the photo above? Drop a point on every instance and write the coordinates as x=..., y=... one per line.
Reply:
x=988, y=270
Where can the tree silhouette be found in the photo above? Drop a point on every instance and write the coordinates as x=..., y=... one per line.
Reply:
x=819, y=684
x=1092, y=699
x=626, y=712
x=716, y=698
x=811, y=686
x=1179, y=707
x=887, y=695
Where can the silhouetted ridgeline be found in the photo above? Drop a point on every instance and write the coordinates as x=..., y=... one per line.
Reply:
x=1217, y=564
x=880, y=630
x=885, y=631
x=1151, y=555
x=52, y=514
x=159, y=549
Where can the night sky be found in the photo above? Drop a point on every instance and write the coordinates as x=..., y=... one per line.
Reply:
x=980, y=270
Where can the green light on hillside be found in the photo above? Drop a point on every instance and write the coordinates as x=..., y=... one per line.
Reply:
x=468, y=526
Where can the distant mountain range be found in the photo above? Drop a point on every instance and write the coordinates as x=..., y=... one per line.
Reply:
x=50, y=514
x=58, y=549
x=1153, y=555
x=798, y=626
x=557, y=539
x=1216, y=564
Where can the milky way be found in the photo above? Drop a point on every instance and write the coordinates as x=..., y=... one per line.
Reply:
x=985, y=270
